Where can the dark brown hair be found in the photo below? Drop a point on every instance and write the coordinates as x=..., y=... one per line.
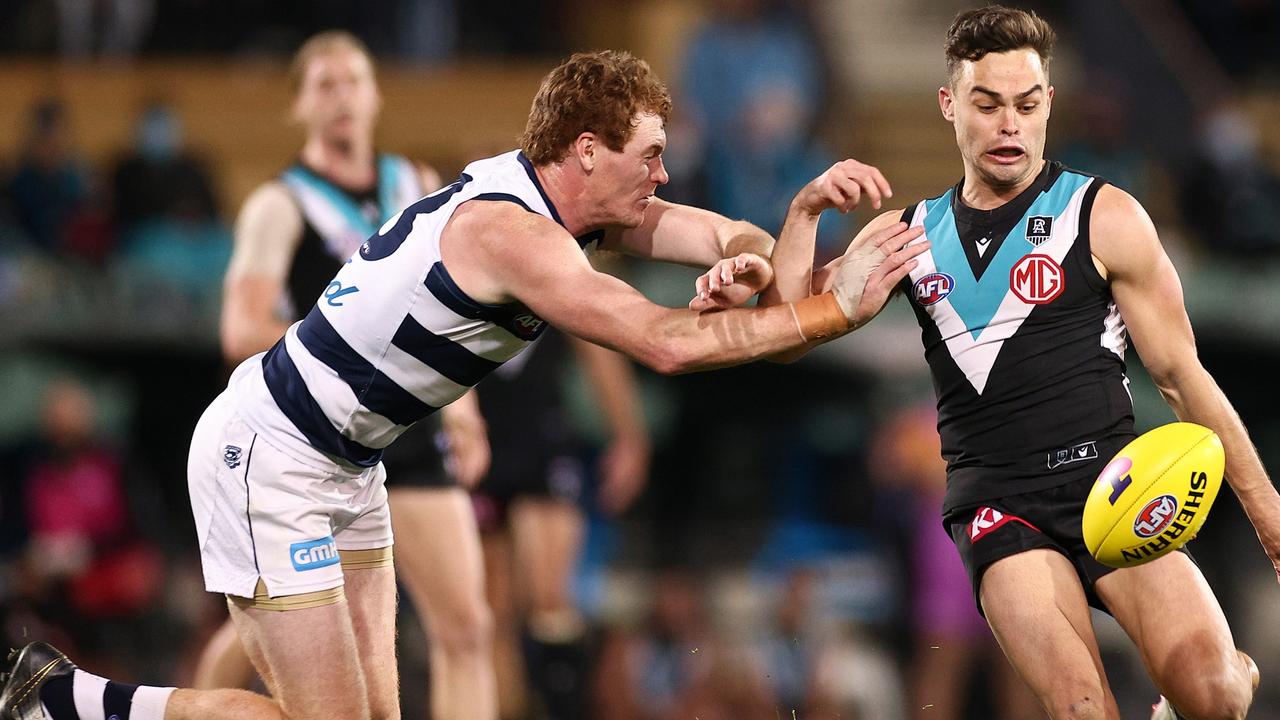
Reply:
x=320, y=44
x=599, y=92
x=996, y=29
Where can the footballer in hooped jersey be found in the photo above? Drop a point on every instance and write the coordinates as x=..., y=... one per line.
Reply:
x=443, y=295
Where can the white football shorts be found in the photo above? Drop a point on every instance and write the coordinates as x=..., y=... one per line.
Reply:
x=262, y=513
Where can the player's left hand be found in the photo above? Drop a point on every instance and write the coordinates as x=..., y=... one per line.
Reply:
x=731, y=282
x=624, y=469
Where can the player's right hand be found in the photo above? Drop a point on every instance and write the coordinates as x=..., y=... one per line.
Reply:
x=841, y=188
x=872, y=268
x=731, y=282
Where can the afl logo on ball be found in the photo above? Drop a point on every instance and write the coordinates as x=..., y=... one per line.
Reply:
x=1036, y=279
x=933, y=288
x=1155, y=516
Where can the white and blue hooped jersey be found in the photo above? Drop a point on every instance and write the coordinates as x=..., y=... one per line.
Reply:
x=336, y=220
x=392, y=338
x=1024, y=342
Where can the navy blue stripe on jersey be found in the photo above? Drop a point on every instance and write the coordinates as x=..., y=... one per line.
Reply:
x=372, y=388
x=442, y=286
x=512, y=317
x=442, y=354
x=382, y=245
x=503, y=197
x=293, y=398
x=533, y=176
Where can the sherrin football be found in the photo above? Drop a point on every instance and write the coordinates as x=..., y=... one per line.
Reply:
x=1154, y=495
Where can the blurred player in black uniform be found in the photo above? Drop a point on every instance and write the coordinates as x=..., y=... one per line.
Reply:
x=532, y=516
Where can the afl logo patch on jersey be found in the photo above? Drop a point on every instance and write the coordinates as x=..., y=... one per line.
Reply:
x=1036, y=279
x=932, y=288
x=527, y=325
x=1039, y=228
x=1155, y=516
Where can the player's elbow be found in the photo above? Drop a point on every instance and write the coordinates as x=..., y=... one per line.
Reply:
x=664, y=357
x=237, y=344
x=666, y=360
x=1170, y=376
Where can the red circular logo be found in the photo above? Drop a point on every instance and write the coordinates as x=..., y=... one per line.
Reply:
x=1036, y=279
x=1155, y=517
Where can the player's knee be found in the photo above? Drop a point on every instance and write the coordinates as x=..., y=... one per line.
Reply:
x=1217, y=695
x=466, y=630
x=1080, y=706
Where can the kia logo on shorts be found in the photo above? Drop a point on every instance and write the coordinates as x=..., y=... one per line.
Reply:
x=314, y=554
x=1155, y=516
x=933, y=288
x=1036, y=279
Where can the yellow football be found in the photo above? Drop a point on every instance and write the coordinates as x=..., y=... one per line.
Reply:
x=1154, y=495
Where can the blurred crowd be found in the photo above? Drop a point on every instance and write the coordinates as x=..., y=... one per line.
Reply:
x=787, y=558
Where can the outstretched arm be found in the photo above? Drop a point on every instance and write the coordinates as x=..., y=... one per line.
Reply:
x=689, y=236
x=510, y=254
x=1148, y=293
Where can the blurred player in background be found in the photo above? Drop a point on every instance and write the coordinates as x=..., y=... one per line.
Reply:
x=531, y=517
x=293, y=235
x=1036, y=273
x=450, y=288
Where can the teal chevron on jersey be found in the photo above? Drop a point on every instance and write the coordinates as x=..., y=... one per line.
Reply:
x=975, y=299
x=342, y=204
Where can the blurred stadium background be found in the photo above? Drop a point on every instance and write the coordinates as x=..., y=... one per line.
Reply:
x=783, y=558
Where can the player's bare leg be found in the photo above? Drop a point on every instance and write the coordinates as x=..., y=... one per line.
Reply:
x=547, y=537
x=1168, y=609
x=1038, y=612
x=504, y=603
x=223, y=662
x=334, y=660
x=444, y=574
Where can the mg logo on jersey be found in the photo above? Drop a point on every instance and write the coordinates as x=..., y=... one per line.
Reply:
x=1036, y=279
x=314, y=554
x=1155, y=516
x=1039, y=228
x=933, y=288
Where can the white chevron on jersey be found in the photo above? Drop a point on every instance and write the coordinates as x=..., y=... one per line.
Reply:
x=976, y=354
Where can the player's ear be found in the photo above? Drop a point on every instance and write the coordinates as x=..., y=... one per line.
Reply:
x=1048, y=102
x=947, y=103
x=584, y=149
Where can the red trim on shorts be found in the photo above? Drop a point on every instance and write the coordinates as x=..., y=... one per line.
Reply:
x=987, y=520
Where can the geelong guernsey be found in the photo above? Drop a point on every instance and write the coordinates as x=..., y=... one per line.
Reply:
x=392, y=338
x=1024, y=342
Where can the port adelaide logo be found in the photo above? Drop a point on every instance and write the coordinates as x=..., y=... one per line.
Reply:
x=1039, y=228
x=932, y=288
